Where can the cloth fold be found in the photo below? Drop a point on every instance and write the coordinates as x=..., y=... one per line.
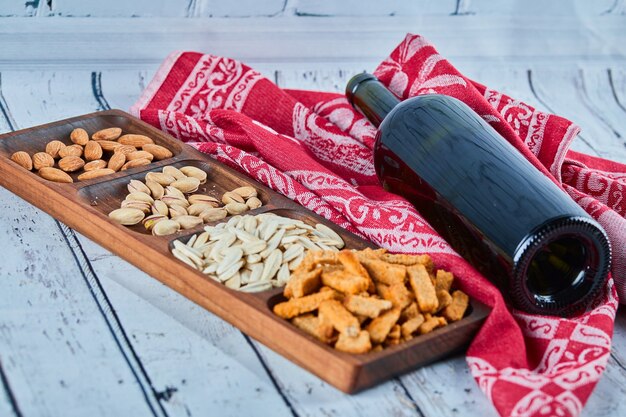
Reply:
x=316, y=150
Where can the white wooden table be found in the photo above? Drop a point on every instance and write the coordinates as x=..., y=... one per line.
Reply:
x=84, y=333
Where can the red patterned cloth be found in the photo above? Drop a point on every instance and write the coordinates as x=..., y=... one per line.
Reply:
x=315, y=149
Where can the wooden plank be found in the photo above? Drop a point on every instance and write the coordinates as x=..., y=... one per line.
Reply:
x=51, y=321
x=373, y=8
x=241, y=8
x=581, y=9
x=138, y=43
x=617, y=78
x=134, y=9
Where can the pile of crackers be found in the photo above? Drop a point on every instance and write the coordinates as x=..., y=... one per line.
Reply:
x=362, y=301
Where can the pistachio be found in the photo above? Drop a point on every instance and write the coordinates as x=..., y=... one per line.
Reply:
x=231, y=197
x=253, y=203
x=171, y=200
x=213, y=214
x=140, y=196
x=194, y=172
x=174, y=172
x=236, y=208
x=127, y=216
x=160, y=178
x=176, y=211
x=245, y=192
x=139, y=205
x=165, y=227
x=188, y=222
x=205, y=199
x=197, y=208
x=173, y=191
x=150, y=221
x=187, y=185
x=159, y=207
x=156, y=189
x=135, y=186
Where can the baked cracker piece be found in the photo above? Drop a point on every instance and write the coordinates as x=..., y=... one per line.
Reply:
x=342, y=320
x=457, y=307
x=393, y=338
x=443, y=280
x=410, y=326
x=384, y=272
x=296, y=306
x=406, y=260
x=303, y=283
x=444, y=299
x=345, y=282
x=431, y=324
x=423, y=288
x=410, y=312
x=399, y=295
x=380, y=327
x=369, y=253
x=311, y=325
x=366, y=306
x=320, y=257
x=354, y=344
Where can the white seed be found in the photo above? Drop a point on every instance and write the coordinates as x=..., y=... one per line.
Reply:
x=272, y=264
x=256, y=287
x=178, y=255
x=201, y=239
x=230, y=271
x=293, y=252
x=249, y=224
x=250, y=248
x=296, y=262
x=254, y=258
x=255, y=272
x=231, y=256
x=234, y=282
x=283, y=274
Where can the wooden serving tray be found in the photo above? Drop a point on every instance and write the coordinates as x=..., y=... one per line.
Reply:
x=85, y=205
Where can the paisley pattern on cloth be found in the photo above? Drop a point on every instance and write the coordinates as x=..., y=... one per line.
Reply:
x=316, y=150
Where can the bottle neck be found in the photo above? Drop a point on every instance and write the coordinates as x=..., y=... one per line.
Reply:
x=370, y=97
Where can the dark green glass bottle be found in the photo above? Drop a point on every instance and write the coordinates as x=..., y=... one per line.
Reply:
x=543, y=251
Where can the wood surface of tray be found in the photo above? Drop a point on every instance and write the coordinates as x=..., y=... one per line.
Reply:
x=85, y=205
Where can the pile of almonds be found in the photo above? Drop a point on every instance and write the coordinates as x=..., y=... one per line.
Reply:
x=123, y=152
x=167, y=199
x=254, y=253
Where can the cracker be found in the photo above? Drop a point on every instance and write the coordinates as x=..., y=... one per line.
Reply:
x=342, y=320
x=304, y=283
x=380, y=327
x=431, y=324
x=443, y=280
x=296, y=306
x=345, y=282
x=457, y=307
x=354, y=344
x=410, y=312
x=399, y=295
x=444, y=299
x=423, y=288
x=410, y=326
x=311, y=325
x=384, y=272
x=366, y=306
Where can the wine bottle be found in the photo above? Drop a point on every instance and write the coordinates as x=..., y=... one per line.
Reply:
x=511, y=222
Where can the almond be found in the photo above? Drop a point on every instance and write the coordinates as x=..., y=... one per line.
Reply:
x=79, y=136
x=135, y=140
x=125, y=149
x=93, y=151
x=158, y=151
x=23, y=159
x=53, y=148
x=108, y=145
x=93, y=165
x=111, y=133
x=72, y=150
x=88, y=175
x=135, y=163
x=138, y=155
x=117, y=161
x=42, y=159
x=71, y=163
x=56, y=175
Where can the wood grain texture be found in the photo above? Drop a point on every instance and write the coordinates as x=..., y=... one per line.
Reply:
x=143, y=43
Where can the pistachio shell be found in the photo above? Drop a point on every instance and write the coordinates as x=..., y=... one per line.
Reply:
x=173, y=191
x=194, y=172
x=213, y=214
x=254, y=203
x=150, y=221
x=231, y=197
x=127, y=216
x=236, y=208
x=140, y=196
x=165, y=227
x=171, y=200
x=160, y=178
x=159, y=207
x=135, y=186
x=176, y=211
x=139, y=205
x=245, y=192
x=201, y=198
x=197, y=208
x=174, y=172
x=156, y=189
x=187, y=185
x=188, y=222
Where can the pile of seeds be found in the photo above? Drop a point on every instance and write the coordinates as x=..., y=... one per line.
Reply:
x=167, y=199
x=254, y=253
x=107, y=152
